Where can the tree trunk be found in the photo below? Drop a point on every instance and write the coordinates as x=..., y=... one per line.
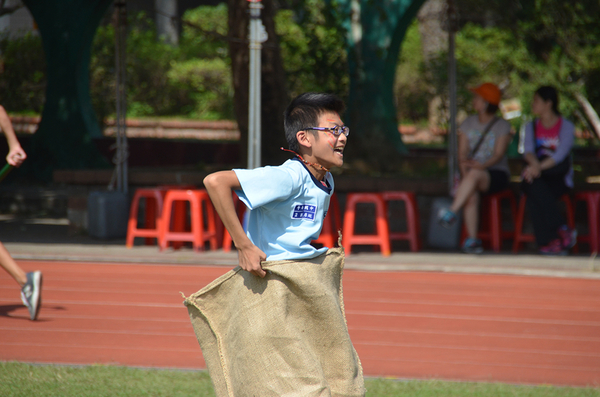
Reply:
x=375, y=32
x=590, y=113
x=68, y=124
x=274, y=98
x=165, y=28
x=434, y=40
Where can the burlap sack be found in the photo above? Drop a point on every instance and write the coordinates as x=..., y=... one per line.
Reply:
x=284, y=335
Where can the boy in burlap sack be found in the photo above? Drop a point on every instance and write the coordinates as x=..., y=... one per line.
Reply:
x=275, y=325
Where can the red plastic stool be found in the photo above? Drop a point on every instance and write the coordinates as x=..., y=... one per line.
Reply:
x=179, y=216
x=153, y=211
x=240, y=209
x=592, y=200
x=491, y=226
x=331, y=224
x=198, y=235
x=413, y=225
x=521, y=237
x=382, y=236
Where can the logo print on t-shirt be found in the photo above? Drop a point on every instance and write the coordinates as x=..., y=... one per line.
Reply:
x=304, y=211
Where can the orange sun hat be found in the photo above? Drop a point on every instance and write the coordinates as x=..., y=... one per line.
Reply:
x=489, y=92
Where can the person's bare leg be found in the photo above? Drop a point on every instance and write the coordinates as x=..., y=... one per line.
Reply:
x=471, y=215
x=471, y=211
x=9, y=264
x=468, y=185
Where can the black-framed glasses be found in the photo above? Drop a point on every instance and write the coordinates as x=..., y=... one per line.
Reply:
x=337, y=130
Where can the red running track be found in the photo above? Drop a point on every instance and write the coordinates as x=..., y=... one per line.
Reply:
x=499, y=328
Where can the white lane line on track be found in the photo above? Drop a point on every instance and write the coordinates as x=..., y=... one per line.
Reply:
x=476, y=349
x=348, y=312
x=471, y=304
x=459, y=290
x=475, y=318
x=364, y=358
x=106, y=303
x=474, y=334
x=75, y=346
x=350, y=300
x=96, y=331
x=48, y=316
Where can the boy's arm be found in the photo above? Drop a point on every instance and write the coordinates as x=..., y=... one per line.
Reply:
x=219, y=186
x=16, y=154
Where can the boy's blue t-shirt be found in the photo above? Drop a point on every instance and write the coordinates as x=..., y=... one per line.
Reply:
x=288, y=205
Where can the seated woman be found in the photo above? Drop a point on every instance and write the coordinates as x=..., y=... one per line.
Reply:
x=548, y=175
x=482, y=143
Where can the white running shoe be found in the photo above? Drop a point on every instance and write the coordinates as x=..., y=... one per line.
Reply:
x=31, y=294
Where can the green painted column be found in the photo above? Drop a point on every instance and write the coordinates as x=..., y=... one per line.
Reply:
x=375, y=30
x=68, y=124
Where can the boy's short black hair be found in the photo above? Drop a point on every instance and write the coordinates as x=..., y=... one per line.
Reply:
x=304, y=112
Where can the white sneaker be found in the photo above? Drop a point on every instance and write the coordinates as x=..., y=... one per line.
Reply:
x=31, y=294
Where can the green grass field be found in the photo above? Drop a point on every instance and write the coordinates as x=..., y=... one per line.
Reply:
x=26, y=380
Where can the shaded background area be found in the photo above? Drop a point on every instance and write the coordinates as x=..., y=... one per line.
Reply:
x=194, y=65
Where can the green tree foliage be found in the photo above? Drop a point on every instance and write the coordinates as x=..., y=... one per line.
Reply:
x=312, y=48
x=530, y=43
x=206, y=86
x=204, y=32
x=564, y=35
x=411, y=90
x=23, y=77
x=520, y=45
x=374, y=32
x=191, y=80
x=148, y=62
x=205, y=71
